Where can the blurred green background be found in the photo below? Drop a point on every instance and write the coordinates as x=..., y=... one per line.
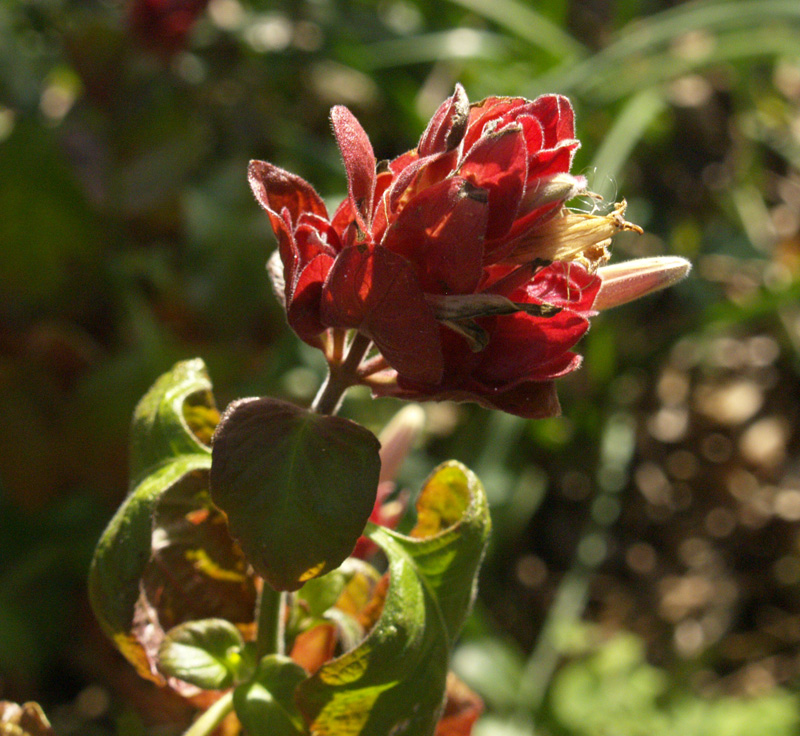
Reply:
x=644, y=573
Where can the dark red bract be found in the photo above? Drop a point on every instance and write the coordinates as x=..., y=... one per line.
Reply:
x=457, y=259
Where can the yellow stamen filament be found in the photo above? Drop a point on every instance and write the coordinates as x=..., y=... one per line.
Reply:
x=573, y=236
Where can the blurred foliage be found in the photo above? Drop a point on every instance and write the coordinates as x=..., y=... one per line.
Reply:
x=608, y=687
x=664, y=503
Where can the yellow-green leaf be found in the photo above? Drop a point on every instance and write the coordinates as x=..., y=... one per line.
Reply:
x=394, y=680
x=265, y=705
x=167, y=522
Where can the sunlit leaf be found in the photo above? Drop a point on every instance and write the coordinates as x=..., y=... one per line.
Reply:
x=166, y=556
x=335, y=610
x=265, y=706
x=160, y=431
x=394, y=681
x=348, y=586
x=360, y=603
x=359, y=588
x=207, y=653
x=442, y=502
x=319, y=594
x=298, y=487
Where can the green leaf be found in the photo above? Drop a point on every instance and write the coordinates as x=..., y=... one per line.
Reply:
x=160, y=432
x=265, y=706
x=341, y=598
x=208, y=653
x=298, y=487
x=450, y=538
x=394, y=681
x=167, y=557
x=320, y=594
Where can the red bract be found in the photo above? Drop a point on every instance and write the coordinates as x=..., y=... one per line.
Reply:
x=457, y=259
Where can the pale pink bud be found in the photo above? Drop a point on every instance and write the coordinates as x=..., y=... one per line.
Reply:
x=397, y=439
x=629, y=280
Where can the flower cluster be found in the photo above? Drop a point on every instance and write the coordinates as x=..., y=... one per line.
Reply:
x=458, y=259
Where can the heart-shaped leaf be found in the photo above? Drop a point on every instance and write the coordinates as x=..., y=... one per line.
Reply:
x=167, y=541
x=394, y=681
x=298, y=487
x=208, y=654
x=265, y=705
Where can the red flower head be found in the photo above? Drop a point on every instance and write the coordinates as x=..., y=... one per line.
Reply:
x=164, y=24
x=457, y=259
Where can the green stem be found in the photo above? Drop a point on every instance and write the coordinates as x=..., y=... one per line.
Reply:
x=269, y=615
x=341, y=377
x=208, y=721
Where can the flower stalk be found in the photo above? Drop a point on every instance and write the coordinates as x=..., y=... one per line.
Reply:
x=269, y=621
x=341, y=377
x=210, y=719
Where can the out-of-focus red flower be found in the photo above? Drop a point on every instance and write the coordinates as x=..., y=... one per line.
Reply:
x=397, y=439
x=163, y=25
x=457, y=259
x=386, y=513
x=462, y=709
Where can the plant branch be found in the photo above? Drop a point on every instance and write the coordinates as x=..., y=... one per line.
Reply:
x=372, y=366
x=341, y=377
x=339, y=337
x=208, y=721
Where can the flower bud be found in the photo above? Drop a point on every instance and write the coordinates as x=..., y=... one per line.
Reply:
x=629, y=280
x=397, y=439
